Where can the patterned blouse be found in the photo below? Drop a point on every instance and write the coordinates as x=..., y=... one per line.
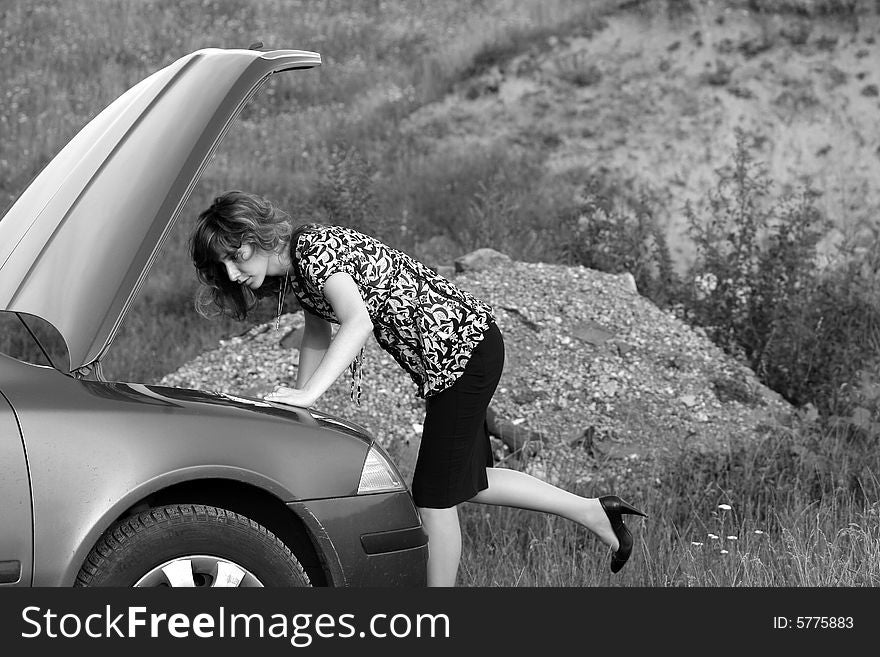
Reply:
x=426, y=323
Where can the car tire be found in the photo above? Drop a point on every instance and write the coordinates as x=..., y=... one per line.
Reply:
x=190, y=545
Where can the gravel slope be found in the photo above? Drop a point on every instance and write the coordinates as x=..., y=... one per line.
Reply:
x=587, y=358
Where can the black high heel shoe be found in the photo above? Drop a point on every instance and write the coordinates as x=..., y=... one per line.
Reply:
x=615, y=508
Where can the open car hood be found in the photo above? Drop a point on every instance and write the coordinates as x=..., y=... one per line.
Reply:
x=78, y=243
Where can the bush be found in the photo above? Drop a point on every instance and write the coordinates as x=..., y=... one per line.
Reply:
x=616, y=234
x=344, y=193
x=518, y=211
x=757, y=289
x=497, y=196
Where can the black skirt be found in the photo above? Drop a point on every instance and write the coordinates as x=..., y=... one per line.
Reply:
x=455, y=449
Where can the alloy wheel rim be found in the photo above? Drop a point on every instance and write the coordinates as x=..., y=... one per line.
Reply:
x=199, y=571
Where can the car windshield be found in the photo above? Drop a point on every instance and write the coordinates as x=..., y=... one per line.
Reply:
x=32, y=340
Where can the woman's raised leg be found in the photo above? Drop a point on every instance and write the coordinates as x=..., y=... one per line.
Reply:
x=523, y=491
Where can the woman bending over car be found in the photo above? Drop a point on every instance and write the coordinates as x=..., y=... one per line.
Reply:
x=244, y=248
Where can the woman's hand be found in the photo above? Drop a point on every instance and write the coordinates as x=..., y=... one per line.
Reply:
x=291, y=396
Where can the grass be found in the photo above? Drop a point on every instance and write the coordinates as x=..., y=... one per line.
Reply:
x=818, y=547
x=754, y=517
x=802, y=503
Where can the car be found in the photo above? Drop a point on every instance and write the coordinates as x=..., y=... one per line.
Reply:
x=106, y=483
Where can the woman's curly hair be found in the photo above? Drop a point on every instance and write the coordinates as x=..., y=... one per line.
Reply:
x=233, y=219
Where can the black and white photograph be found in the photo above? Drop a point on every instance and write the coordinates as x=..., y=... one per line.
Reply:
x=459, y=308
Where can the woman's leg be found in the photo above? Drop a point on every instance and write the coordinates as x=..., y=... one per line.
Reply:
x=444, y=544
x=507, y=488
x=521, y=490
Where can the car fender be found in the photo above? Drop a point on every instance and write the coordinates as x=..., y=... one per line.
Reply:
x=100, y=519
x=95, y=449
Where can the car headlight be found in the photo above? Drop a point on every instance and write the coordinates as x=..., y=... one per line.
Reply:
x=379, y=474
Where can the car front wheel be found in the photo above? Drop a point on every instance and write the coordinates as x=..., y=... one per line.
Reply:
x=190, y=545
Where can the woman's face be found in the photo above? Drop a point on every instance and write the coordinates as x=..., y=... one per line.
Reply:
x=248, y=265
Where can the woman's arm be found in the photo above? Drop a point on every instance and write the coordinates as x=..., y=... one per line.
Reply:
x=314, y=344
x=355, y=327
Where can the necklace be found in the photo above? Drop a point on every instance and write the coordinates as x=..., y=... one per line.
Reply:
x=281, y=292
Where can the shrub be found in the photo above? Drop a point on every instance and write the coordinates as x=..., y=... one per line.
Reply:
x=757, y=289
x=345, y=194
x=616, y=234
x=494, y=196
x=518, y=211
